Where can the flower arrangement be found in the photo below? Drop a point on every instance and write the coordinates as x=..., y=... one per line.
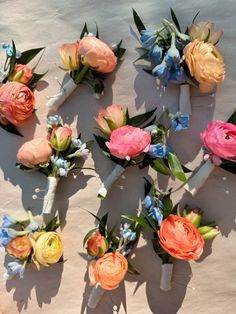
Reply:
x=135, y=141
x=176, y=235
x=87, y=60
x=29, y=243
x=108, y=253
x=17, y=102
x=55, y=157
x=219, y=146
x=183, y=58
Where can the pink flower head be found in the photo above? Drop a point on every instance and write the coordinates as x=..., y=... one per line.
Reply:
x=128, y=142
x=220, y=138
x=69, y=54
x=61, y=138
x=22, y=74
x=205, y=31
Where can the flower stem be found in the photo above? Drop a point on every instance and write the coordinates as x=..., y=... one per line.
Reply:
x=82, y=73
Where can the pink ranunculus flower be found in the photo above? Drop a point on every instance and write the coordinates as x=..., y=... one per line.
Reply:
x=22, y=74
x=61, y=138
x=34, y=152
x=110, y=118
x=205, y=31
x=69, y=54
x=97, y=54
x=16, y=103
x=220, y=138
x=128, y=142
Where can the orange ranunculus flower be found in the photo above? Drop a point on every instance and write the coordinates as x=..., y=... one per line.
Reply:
x=70, y=56
x=19, y=247
x=180, y=238
x=16, y=103
x=97, y=54
x=205, y=64
x=22, y=74
x=108, y=271
x=96, y=244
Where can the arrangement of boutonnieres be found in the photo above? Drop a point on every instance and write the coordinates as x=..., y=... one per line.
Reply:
x=17, y=102
x=88, y=61
x=135, y=141
x=219, y=147
x=29, y=243
x=54, y=156
x=108, y=251
x=175, y=235
x=183, y=58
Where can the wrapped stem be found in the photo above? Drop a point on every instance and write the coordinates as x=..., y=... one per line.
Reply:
x=184, y=99
x=166, y=277
x=95, y=296
x=50, y=195
x=107, y=183
x=57, y=100
x=199, y=178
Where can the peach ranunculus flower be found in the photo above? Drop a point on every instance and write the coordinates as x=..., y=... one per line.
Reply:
x=61, y=138
x=205, y=31
x=34, y=152
x=108, y=271
x=110, y=118
x=19, y=247
x=128, y=142
x=205, y=64
x=97, y=54
x=16, y=103
x=96, y=244
x=180, y=238
x=22, y=74
x=70, y=56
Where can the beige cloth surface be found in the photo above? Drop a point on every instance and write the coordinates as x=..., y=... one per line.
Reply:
x=207, y=286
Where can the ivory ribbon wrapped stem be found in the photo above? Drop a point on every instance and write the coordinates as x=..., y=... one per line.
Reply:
x=95, y=296
x=199, y=178
x=184, y=99
x=57, y=100
x=107, y=183
x=50, y=195
x=166, y=277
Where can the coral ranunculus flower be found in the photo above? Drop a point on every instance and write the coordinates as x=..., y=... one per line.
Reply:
x=108, y=271
x=127, y=142
x=97, y=54
x=19, y=247
x=205, y=64
x=70, y=56
x=16, y=103
x=180, y=238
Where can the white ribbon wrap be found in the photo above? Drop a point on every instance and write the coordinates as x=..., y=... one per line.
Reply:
x=199, y=178
x=50, y=195
x=95, y=296
x=107, y=183
x=57, y=100
x=166, y=277
x=184, y=99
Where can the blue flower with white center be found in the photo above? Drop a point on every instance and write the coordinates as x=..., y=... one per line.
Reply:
x=148, y=202
x=5, y=237
x=155, y=54
x=172, y=57
x=159, y=151
x=156, y=214
x=128, y=235
x=148, y=38
x=162, y=71
x=54, y=121
x=14, y=268
x=9, y=50
x=8, y=221
x=177, y=76
x=62, y=165
x=180, y=121
x=33, y=227
x=76, y=142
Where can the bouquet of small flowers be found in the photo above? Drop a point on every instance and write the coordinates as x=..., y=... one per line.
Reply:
x=87, y=60
x=29, y=243
x=135, y=141
x=108, y=254
x=17, y=102
x=219, y=146
x=183, y=58
x=176, y=235
x=55, y=157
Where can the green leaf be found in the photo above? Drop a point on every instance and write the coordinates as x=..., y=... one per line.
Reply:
x=52, y=225
x=101, y=143
x=160, y=166
x=88, y=235
x=141, y=220
x=140, y=119
x=11, y=129
x=175, y=167
x=148, y=71
x=97, y=33
x=138, y=22
x=229, y=166
x=196, y=15
x=84, y=30
x=143, y=56
x=168, y=205
x=185, y=169
x=22, y=167
x=151, y=122
x=96, y=217
x=119, y=53
x=147, y=187
x=34, y=80
x=12, y=61
x=102, y=225
x=28, y=55
x=232, y=118
x=132, y=269
x=175, y=20
x=174, y=209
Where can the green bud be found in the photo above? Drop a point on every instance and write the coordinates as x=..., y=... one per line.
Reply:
x=208, y=232
x=194, y=215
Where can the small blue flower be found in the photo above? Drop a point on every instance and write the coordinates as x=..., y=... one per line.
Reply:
x=156, y=214
x=14, y=268
x=128, y=234
x=180, y=121
x=148, y=202
x=9, y=50
x=172, y=57
x=159, y=151
x=162, y=71
x=55, y=120
x=177, y=76
x=5, y=236
x=33, y=227
x=148, y=38
x=62, y=165
x=8, y=221
x=155, y=54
